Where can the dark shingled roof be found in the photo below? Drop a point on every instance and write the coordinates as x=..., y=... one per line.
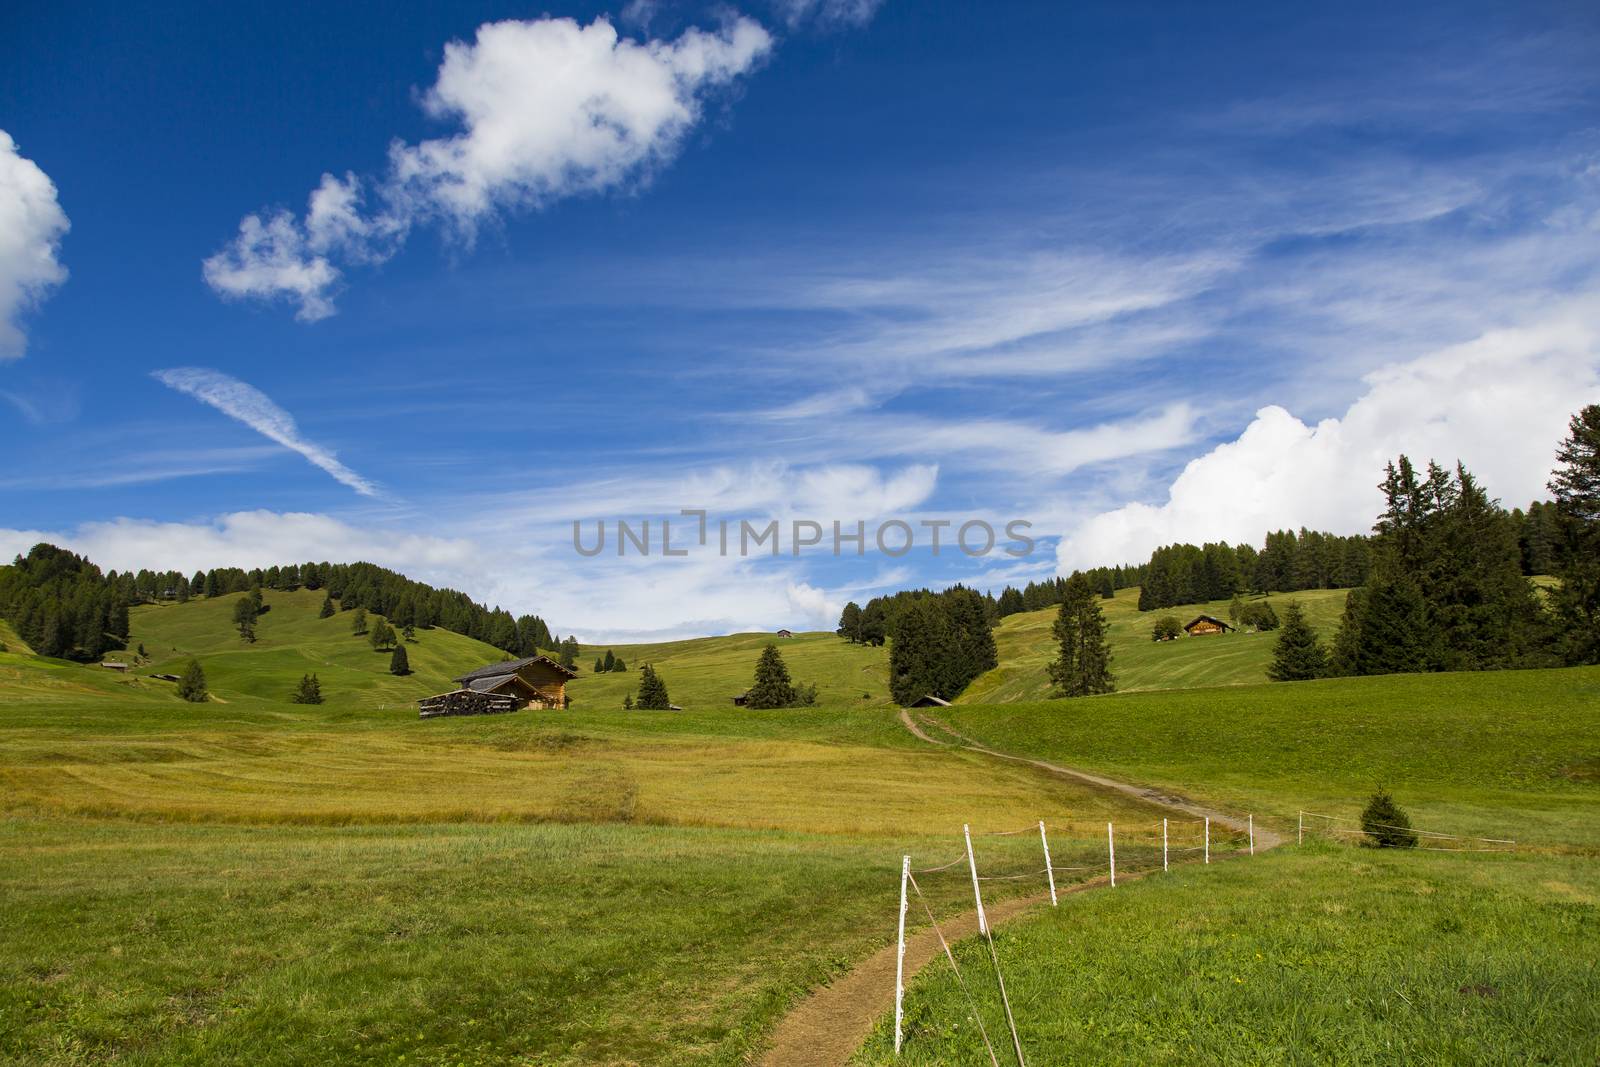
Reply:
x=512, y=666
x=1207, y=618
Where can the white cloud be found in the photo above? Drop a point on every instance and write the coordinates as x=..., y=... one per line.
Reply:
x=31, y=227
x=547, y=109
x=1498, y=403
x=242, y=401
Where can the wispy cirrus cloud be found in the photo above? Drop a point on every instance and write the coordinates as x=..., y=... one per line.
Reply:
x=249, y=405
x=548, y=109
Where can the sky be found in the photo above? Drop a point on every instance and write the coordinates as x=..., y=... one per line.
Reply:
x=283, y=282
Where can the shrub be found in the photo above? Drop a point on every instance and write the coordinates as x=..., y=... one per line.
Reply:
x=1166, y=628
x=1259, y=615
x=309, y=691
x=1385, y=823
x=192, y=686
x=627, y=702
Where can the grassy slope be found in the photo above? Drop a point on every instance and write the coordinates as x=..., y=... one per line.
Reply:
x=1321, y=954
x=248, y=880
x=1026, y=646
x=707, y=672
x=290, y=641
x=1508, y=753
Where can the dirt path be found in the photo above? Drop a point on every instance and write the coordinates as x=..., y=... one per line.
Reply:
x=828, y=1026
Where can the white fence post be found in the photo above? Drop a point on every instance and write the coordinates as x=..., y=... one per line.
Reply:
x=1048, y=870
x=1300, y=838
x=900, y=960
x=972, y=864
x=1163, y=845
x=1208, y=839
x=1111, y=850
x=1252, y=825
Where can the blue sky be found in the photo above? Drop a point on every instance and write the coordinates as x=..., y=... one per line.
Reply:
x=1134, y=273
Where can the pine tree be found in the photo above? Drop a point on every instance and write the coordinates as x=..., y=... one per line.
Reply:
x=874, y=624
x=569, y=653
x=1108, y=590
x=382, y=635
x=1235, y=610
x=1298, y=655
x=358, y=622
x=245, y=610
x=308, y=692
x=409, y=633
x=192, y=685
x=619, y=666
x=772, y=688
x=1396, y=635
x=652, y=690
x=327, y=608
x=921, y=652
x=1576, y=549
x=1084, y=664
x=1345, y=658
x=599, y=665
x=1385, y=823
x=609, y=662
x=399, y=663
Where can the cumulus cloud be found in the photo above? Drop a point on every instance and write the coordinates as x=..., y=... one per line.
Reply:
x=242, y=401
x=546, y=109
x=31, y=227
x=1499, y=403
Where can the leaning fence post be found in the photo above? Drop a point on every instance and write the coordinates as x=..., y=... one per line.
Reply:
x=1049, y=871
x=1163, y=845
x=1208, y=839
x=900, y=959
x=1111, y=850
x=972, y=864
x=1252, y=824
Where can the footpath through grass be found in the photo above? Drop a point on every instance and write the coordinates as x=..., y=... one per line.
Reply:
x=1502, y=754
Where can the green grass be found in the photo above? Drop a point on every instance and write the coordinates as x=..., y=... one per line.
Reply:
x=291, y=641
x=706, y=673
x=1504, y=754
x=252, y=881
x=1322, y=954
x=248, y=880
x=1026, y=646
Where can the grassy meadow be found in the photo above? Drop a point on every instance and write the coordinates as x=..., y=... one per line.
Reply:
x=249, y=880
x=1316, y=954
x=1026, y=646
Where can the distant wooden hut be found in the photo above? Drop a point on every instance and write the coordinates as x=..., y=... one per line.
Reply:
x=113, y=665
x=785, y=633
x=1206, y=624
x=928, y=700
x=537, y=681
x=741, y=699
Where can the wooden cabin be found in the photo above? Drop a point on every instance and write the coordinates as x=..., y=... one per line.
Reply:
x=928, y=700
x=538, y=681
x=1206, y=624
x=741, y=699
x=785, y=633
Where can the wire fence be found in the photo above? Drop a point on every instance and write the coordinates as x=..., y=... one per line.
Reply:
x=1132, y=849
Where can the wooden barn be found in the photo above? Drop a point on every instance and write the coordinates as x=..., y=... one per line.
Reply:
x=785, y=633
x=742, y=699
x=538, y=682
x=1206, y=624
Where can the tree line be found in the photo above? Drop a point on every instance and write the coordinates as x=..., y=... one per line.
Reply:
x=65, y=606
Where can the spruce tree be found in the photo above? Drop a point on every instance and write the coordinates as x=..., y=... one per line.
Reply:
x=1345, y=658
x=328, y=609
x=772, y=688
x=399, y=663
x=618, y=665
x=652, y=690
x=309, y=691
x=245, y=610
x=1576, y=537
x=599, y=665
x=192, y=685
x=1385, y=823
x=569, y=653
x=850, y=623
x=610, y=661
x=1298, y=655
x=1397, y=636
x=1083, y=666
x=358, y=622
x=921, y=653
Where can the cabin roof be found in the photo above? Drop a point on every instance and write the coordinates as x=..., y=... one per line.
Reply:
x=928, y=700
x=512, y=666
x=1207, y=618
